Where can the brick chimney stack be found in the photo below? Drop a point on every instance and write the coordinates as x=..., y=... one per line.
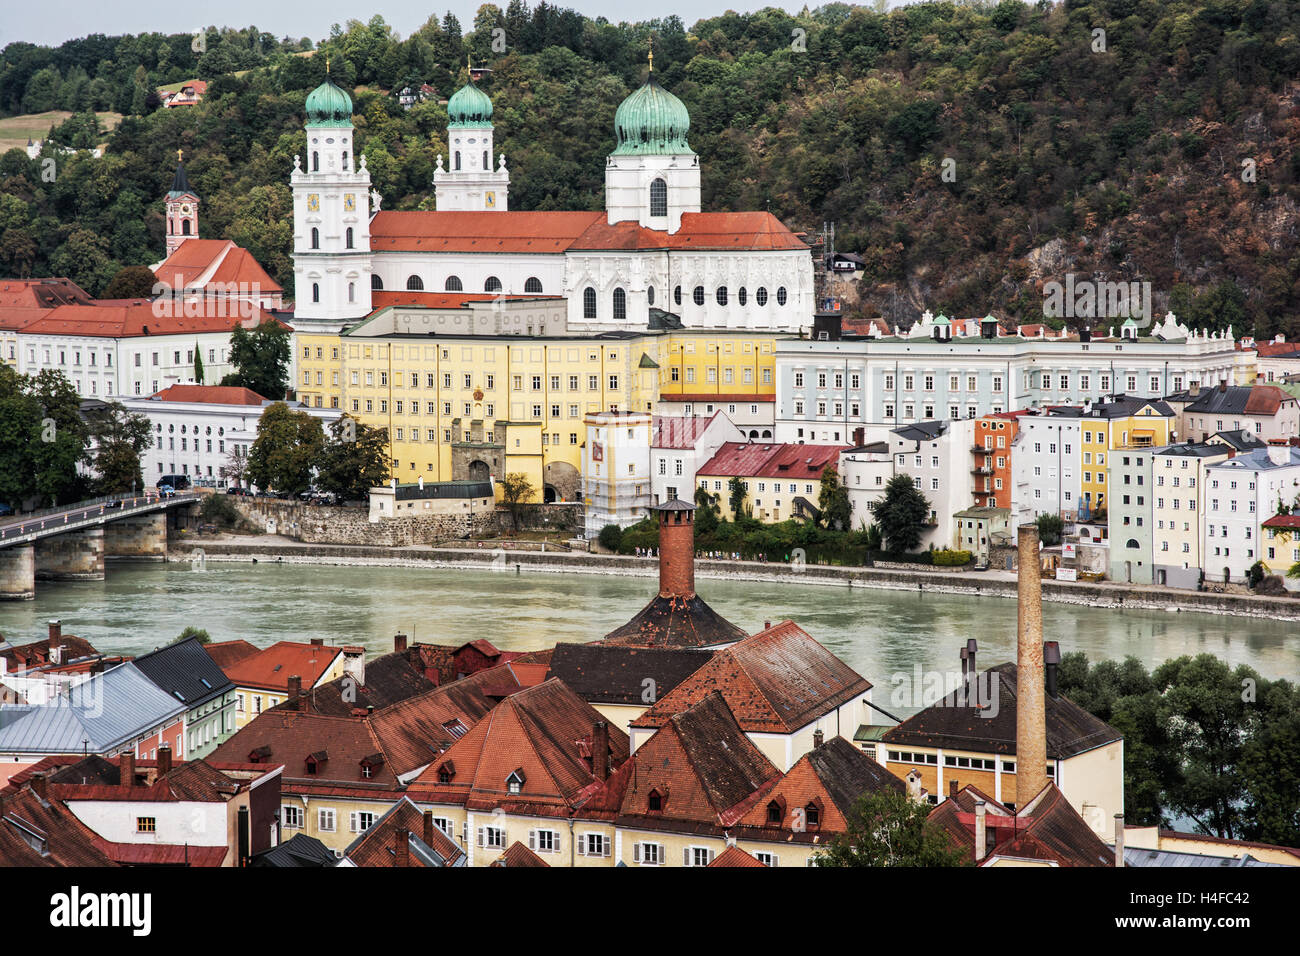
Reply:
x=56, y=632
x=819, y=738
x=402, y=847
x=600, y=750
x=126, y=770
x=164, y=760
x=676, y=549
x=295, y=691
x=428, y=828
x=40, y=786
x=399, y=642
x=1031, y=728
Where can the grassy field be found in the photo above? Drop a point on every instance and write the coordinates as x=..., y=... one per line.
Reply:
x=16, y=130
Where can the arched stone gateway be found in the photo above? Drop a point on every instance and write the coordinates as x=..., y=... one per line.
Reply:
x=564, y=480
x=550, y=496
x=478, y=470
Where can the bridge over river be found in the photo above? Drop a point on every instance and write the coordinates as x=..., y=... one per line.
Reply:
x=70, y=543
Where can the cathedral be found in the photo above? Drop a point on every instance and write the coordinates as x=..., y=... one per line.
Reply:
x=651, y=257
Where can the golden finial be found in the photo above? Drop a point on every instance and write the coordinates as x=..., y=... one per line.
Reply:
x=327, y=66
x=652, y=53
x=178, y=155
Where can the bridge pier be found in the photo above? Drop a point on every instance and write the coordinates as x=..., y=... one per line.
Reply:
x=18, y=573
x=137, y=536
x=75, y=556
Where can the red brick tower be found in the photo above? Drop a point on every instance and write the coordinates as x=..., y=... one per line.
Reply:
x=676, y=549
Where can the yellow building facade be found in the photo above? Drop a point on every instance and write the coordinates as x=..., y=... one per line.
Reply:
x=1105, y=429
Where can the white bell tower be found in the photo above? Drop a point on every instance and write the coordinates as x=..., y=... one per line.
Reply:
x=470, y=181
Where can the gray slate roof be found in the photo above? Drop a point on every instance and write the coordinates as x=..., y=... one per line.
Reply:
x=1138, y=856
x=99, y=715
x=186, y=672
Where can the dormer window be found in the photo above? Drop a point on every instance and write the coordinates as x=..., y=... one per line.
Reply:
x=447, y=772
x=366, y=772
x=655, y=802
x=774, y=814
x=515, y=782
x=812, y=815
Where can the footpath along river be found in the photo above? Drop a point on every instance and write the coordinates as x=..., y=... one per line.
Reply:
x=881, y=634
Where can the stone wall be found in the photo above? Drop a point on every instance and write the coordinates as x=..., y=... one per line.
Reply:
x=18, y=573
x=137, y=536
x=75, y=556
x=315, y=524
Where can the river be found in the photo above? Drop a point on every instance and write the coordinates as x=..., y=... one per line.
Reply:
x=879, y=633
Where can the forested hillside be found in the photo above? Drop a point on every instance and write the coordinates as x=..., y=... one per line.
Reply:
x=1163, y=151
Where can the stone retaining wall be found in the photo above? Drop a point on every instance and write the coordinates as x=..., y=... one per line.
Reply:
x=314, y=524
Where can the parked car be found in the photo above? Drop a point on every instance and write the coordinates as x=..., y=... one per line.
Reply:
x=177, y=482
x=115, y=503
x=167, y=491
x=235, y=490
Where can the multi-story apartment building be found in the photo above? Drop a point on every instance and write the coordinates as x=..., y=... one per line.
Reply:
x=1243, y=490
x=994, y=480
x=616, y=469
x=1045, y=465
x=1280, y=539
x=1109, y=427
x=1265, y=411
x=825, y=385
x=864, y=471
x=936, y=455
x=779, y=481
x=1129, y=514
x=679, y=445
x=1178, y=475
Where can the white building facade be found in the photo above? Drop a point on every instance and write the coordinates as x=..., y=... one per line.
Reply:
x=678, y=446
x=1244, y=491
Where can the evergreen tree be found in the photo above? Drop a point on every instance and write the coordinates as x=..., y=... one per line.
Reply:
x=902, y=513
x=198, y=364
x=833, y=501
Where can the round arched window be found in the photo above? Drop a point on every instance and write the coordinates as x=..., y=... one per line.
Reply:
x=677, y=295
x=533, y=286
x=453, y=284
x=761, y=296
x=698, y=295
x=721, y=295
x=620, y=304
x=315, y=238
x=589, y=303
x=780, y=296
x=742, y=296
x=376, y=282
x=493, y=284
x=650, y=295
x=415, y=284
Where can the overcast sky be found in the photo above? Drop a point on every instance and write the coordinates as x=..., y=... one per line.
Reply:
x=50, y=22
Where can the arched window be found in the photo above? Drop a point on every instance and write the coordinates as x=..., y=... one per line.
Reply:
x=677, y=295
x=315, y=161
x=315, y=291
x=348, y=237
x=767, y=433
x=533, y=285
x=457, y=166
x=1132, y=543
x=721, y=295
x=589, y=303
x=486, y=165
x=650, y=295
x=345, y=160
x=655, y=802
x=415, y=283
x=185, y=227
x=658, y=198
x=812, y=815
x=453, y=284
x=493, y=284
x=780, y=296
x=620, y=304
x=376, y=282
x=170, y=227
x=774, y=813
x=352, y=292
x=742, y=296
x=315, y=238
x=698, y=295
x=761, y=296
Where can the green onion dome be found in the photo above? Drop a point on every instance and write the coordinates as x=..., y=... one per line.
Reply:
x=651, y=121
x=469, y=106
x=328, y=105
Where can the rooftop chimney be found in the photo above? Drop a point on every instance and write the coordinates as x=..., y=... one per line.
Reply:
x=126, y=769
x=318, y=642
x=981, y=830
x=974, y=698
x=56, y=632
x=295, y=691
x=600, y=750
x=1031, y=731
x=40, y=786
x=965, y=677
x=819, y=738
x=402, y=847
x=1223, y=385
x=952, y=788
x=428, y=828
x=164, y=760
x=1051, y=663
x=399, y=642
x=1119, y=839
x=676, y=550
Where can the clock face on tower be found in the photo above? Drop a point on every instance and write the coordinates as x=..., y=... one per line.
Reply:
x=490, y=199
x=313, y=202
x=350, y=202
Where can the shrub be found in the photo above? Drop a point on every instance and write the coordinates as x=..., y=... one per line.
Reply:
x=951, y=559
x=610, y=537
x=218, y=509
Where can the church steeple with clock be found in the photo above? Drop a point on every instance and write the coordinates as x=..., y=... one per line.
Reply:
x=331, y=217
x=182, y=209
x=470, y=182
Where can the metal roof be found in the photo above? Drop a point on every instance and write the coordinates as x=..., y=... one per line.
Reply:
x=1139, y=856
x=445, y=489
x=100, y=714
x=186, y=672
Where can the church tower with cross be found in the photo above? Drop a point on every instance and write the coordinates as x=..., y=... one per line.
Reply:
x=331, y=217
x=469, y=181
x=182, y=208
x=652, y=176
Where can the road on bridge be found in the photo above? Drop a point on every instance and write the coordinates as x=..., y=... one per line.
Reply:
x=54, y=519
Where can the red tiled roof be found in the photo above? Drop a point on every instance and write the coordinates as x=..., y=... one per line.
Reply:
x=735, y=856
x=1055, y=831
x=37, y=654
x=287, y=737
x=40, y=294
x=801, y=462
x=377, y=846
x=739, y=458
x=271, y=667
x=194, y=257
x=161, y=854
x=556, y=232
x=776, y=681
x=519, y=855
x=1278, y=349
x=677, y=431
x=209, y=395
x=226, y=653
x=127, y=318
x=67, y=840
x=1266, y=400
x=1283, y=521
x=440, y=300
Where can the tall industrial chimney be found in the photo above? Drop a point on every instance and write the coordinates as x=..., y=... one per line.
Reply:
x=676, y=549
x=1031, y=729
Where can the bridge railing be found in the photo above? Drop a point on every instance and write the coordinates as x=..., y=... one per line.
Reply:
x=39, y=520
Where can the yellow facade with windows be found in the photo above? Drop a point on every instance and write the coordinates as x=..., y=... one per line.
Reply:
x=446, y=395
x=1146, y=428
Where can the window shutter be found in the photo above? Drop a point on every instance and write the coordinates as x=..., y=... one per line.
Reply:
x=532, y=839
x=608, y=844
x=686, y=856
x=582, y=844
x=352, y=821
x=479, y=835
x=662, y=856
x=775, y=859
x=464, y=832
x=711, y=854
x=636, y=852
